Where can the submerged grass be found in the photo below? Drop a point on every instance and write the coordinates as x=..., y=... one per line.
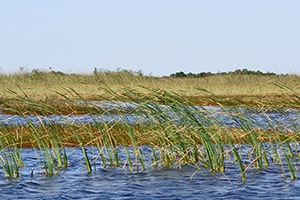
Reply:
x=176, y=132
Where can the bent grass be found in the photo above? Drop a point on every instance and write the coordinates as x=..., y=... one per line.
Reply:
x=178, y=135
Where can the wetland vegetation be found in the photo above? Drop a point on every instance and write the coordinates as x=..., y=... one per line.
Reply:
x=179, y=132
x=252, y=88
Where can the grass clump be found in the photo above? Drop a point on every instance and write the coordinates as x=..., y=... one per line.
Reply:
x=176, y=132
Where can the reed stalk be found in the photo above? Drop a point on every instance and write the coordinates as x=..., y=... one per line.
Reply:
x=177, y=133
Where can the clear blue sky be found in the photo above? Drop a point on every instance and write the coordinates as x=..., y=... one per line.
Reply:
x=158, y=36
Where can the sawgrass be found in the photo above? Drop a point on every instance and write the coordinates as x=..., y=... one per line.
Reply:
x=178, y=135
x=235, y=89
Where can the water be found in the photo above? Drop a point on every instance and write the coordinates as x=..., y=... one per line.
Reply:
x=177, y=182
x=155, y=183
x=283, y=119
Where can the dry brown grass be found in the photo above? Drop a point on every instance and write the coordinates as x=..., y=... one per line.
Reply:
x=145, y=135
x=229, y=89
x=44, y=85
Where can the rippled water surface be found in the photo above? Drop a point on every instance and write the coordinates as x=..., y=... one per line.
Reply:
x=183, y=182
x=154, y=183
x=264, y=118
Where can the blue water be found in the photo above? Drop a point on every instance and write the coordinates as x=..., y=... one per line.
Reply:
x=283, y=119
x=177, y=182
x=155, y=183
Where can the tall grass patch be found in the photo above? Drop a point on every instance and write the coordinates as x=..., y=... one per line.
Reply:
x=172, y=132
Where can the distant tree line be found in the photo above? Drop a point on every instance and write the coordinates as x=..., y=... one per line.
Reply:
x=181, y=74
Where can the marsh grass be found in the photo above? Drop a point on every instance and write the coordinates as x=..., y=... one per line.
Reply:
x=230, y=89
x=178, y=134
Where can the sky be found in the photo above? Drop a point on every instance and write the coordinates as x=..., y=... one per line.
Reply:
x=157, y=37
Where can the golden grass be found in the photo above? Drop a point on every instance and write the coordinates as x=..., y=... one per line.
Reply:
x=44, y=85
x=145, y=135
x=227, y=89
x=189, y=142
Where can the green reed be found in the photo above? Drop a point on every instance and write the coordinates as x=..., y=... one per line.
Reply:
x=9, y=164
x=213, y=157
x=10, y=154
x=51, y=152
x=10, y=160
x=179, y=135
